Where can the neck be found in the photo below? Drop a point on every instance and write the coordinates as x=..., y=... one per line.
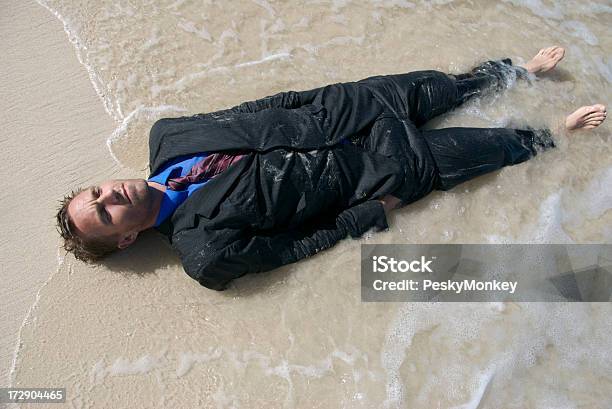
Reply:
x=157, y=192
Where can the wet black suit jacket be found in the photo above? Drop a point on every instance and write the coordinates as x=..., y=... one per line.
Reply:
x=298, y=191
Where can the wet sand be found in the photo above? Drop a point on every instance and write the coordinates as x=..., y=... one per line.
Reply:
x=137, y=332
x=54, y=133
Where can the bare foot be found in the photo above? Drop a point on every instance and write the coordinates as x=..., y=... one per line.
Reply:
x=586, y=117
x=546, y=59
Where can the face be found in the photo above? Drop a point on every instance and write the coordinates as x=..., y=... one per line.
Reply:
x=117, y=209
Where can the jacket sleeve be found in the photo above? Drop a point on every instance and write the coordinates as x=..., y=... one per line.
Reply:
x=288, y=100
x=259, y=253
x=349, y=107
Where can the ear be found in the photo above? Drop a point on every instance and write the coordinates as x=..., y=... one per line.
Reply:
x=127, y=239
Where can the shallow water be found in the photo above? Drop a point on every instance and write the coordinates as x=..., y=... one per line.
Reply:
x=300, y=336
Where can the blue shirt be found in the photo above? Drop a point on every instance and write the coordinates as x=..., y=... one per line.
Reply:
x=180, y=166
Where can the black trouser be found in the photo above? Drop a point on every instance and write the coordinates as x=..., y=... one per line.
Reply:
x=459, y=154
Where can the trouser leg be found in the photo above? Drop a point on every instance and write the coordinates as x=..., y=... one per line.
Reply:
x=462, y=154
x=440, y=159
x=398, y=139
x=351, y=108
x=487, y=78
x=418, y=95
x=423, y=95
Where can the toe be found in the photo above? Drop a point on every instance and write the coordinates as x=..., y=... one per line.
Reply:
x=593, y=115
x=559, y=53
x=594, y=121
x=584, y=111
x=595, y=118
x=591, y=109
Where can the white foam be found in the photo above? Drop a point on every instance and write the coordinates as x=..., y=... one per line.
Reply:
x=190, y=27
x=592, y=202
x=340, y=19
x=604, y=67
x=61, y=259
x=548, y=229
x=278, y=56
x=549, y=224
x=539, y=9
x=437, y=2
x=580, y=30
x=589, y=8
x=142, y=113
x=596, y=198
x=71, y=29
x=395, y=3
x=578, y=337
x=482, y=381
x=345, y=40
x=264, y=4
x=377, y=16
x=304, y=22
x=188, y=359
x=182, y=83
x=153, y=40
x=123, y=366
x=339, y=4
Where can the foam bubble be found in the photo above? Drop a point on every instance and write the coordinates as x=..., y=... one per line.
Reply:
x=482, y=381
x=604, y=66
x=539, y=9
x=124, y=366
x=142, y=113
x=580, y=30
x=504, y=342
x=188, y=359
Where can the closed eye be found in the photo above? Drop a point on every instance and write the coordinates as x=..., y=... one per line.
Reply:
x=96, y=192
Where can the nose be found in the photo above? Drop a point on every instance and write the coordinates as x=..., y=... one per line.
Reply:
x=110, y=197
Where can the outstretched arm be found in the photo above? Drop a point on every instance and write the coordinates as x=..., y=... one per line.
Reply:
x=337, y=111
x=288, y=100
x=261, y=252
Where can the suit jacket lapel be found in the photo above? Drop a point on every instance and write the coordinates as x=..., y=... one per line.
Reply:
x=261, y=131
x=205, y=200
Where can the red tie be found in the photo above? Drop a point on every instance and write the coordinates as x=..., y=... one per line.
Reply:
x=207, y=168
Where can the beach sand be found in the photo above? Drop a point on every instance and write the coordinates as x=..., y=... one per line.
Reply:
x=54, y=133
x=137, y=332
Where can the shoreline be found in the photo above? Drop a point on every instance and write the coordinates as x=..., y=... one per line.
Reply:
x=301, y=333
x=48, y=107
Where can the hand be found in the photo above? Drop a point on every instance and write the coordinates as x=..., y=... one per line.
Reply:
x=390, y=202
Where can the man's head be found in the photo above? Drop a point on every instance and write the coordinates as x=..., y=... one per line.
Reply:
x=101, y=219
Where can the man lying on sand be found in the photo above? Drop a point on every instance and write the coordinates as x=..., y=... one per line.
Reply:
x=269, y=182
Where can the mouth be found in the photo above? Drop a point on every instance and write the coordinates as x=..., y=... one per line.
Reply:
x=125, y=193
